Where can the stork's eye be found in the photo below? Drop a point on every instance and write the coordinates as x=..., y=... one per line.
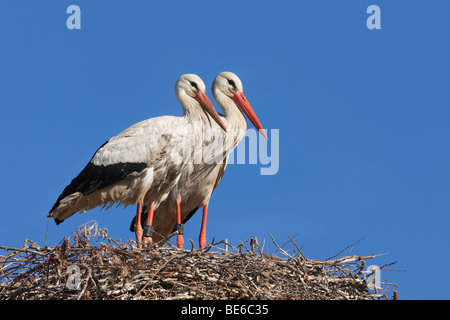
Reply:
x=231, y=82
x=194, y=85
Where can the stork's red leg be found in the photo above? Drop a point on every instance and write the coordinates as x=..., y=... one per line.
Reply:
x=137, y=225
x=202, y=237
x=180, y=240
x=148, y=229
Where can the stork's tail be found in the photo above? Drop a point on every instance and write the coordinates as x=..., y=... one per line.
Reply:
x=66, y=207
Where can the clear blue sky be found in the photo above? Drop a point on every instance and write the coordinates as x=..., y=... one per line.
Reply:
x=363, y=117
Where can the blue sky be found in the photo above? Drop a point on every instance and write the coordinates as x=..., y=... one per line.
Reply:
x=363, y=118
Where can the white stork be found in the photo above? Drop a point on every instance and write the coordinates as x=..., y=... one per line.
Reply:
x=198, y=181
x=138, y=165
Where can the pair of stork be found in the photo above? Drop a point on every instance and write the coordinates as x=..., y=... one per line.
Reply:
x=165, y=164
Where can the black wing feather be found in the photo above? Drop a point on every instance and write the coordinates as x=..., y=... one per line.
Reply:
x=94, y=177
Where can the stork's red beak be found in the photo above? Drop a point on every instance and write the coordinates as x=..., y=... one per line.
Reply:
x=206, y=104
x=244, y=105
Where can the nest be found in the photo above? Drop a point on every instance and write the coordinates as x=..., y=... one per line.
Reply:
x=89, y=264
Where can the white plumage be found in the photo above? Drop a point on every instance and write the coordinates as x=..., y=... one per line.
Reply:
x=141, y=164
x=198, y=180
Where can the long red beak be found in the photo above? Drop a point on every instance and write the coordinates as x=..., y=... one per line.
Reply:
x=206, y=104
x=244, y=105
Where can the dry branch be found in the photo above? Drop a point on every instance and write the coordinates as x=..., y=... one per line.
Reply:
x=109, y=269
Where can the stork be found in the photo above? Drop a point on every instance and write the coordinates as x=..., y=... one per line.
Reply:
x=138, y=165
x=198, y=181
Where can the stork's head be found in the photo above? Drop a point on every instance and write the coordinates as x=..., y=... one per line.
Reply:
x=231, y=86
x=190, y=86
